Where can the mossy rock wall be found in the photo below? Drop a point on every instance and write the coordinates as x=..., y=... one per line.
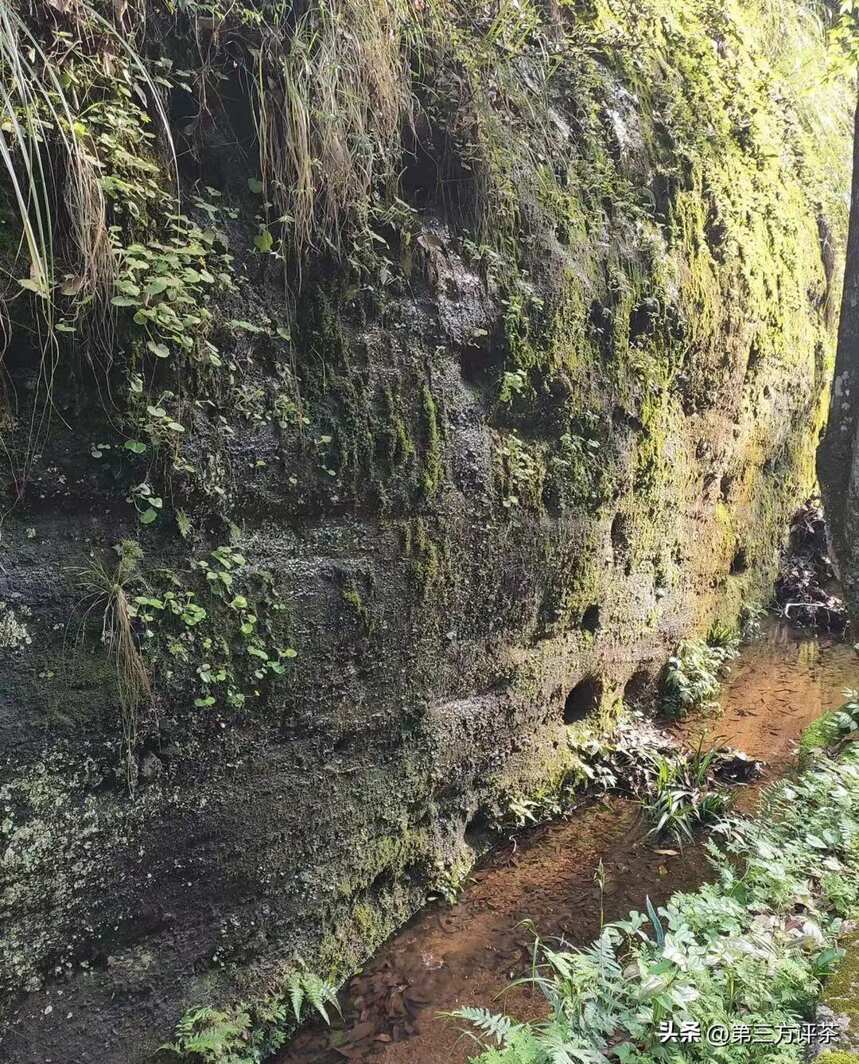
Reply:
x=544, y=411
x=839, y=1006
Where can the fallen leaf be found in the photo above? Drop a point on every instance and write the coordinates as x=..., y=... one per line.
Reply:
x=360, y=1031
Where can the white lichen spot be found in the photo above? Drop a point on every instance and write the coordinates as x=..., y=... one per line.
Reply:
x=13, y=632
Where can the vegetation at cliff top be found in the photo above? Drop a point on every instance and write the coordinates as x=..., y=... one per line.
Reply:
x=141, y=275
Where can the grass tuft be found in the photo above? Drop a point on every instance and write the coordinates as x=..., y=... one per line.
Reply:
x=331, y=106
x=107, y=589
x=681, y=795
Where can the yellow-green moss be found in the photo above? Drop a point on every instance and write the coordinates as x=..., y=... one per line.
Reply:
x=426, y=557
x=841, y=993
x=433, y=466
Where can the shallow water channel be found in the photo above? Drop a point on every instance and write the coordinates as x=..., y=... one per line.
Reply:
x=468, y=953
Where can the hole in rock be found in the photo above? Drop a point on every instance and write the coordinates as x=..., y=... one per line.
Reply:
x=216, y=145
x=482, y=359
x=343, y=743
x=620, y=533
x=600, y=321
x=383, y=883
x=643, y=319
x=590, y=621
x=421, y=177
x=755, y=357
x=740, y=562
x=583, y=700
x=477, y=830
x=636, y=687
x=433, y=173
x=552, y=499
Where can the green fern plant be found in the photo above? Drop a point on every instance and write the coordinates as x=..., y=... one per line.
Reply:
x=213, y=1037
x=249, y=1034
x=500, y=1028
x=694, y=674
x=308, y=989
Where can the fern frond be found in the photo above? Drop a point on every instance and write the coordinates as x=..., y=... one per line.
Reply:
x=307, y=987
x=494, y=1024
x=560, y=1046
x=295, y=987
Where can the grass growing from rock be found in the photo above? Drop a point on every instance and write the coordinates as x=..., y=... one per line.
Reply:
x=751, y=948
x=107, y=590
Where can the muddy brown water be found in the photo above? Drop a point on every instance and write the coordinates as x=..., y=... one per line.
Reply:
x=543, y=881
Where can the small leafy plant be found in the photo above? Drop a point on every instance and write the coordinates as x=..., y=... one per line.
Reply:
x=521, y=472
x=834, y=726
x=216, y=624
x=694, y=674
x=681, y=796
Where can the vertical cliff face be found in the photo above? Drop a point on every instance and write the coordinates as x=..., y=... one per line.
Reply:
x=481, y=359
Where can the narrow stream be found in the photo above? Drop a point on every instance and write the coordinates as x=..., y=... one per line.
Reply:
x=468, y=953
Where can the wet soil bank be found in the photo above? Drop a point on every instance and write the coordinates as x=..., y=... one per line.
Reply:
x=468, y=953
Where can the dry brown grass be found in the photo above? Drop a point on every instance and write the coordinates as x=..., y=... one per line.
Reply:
x=106, y=590
x=331, y=106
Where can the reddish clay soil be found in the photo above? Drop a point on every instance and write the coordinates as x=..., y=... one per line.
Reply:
x=543, y=881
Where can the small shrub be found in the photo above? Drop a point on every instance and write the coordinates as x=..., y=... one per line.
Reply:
x=751, y=616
